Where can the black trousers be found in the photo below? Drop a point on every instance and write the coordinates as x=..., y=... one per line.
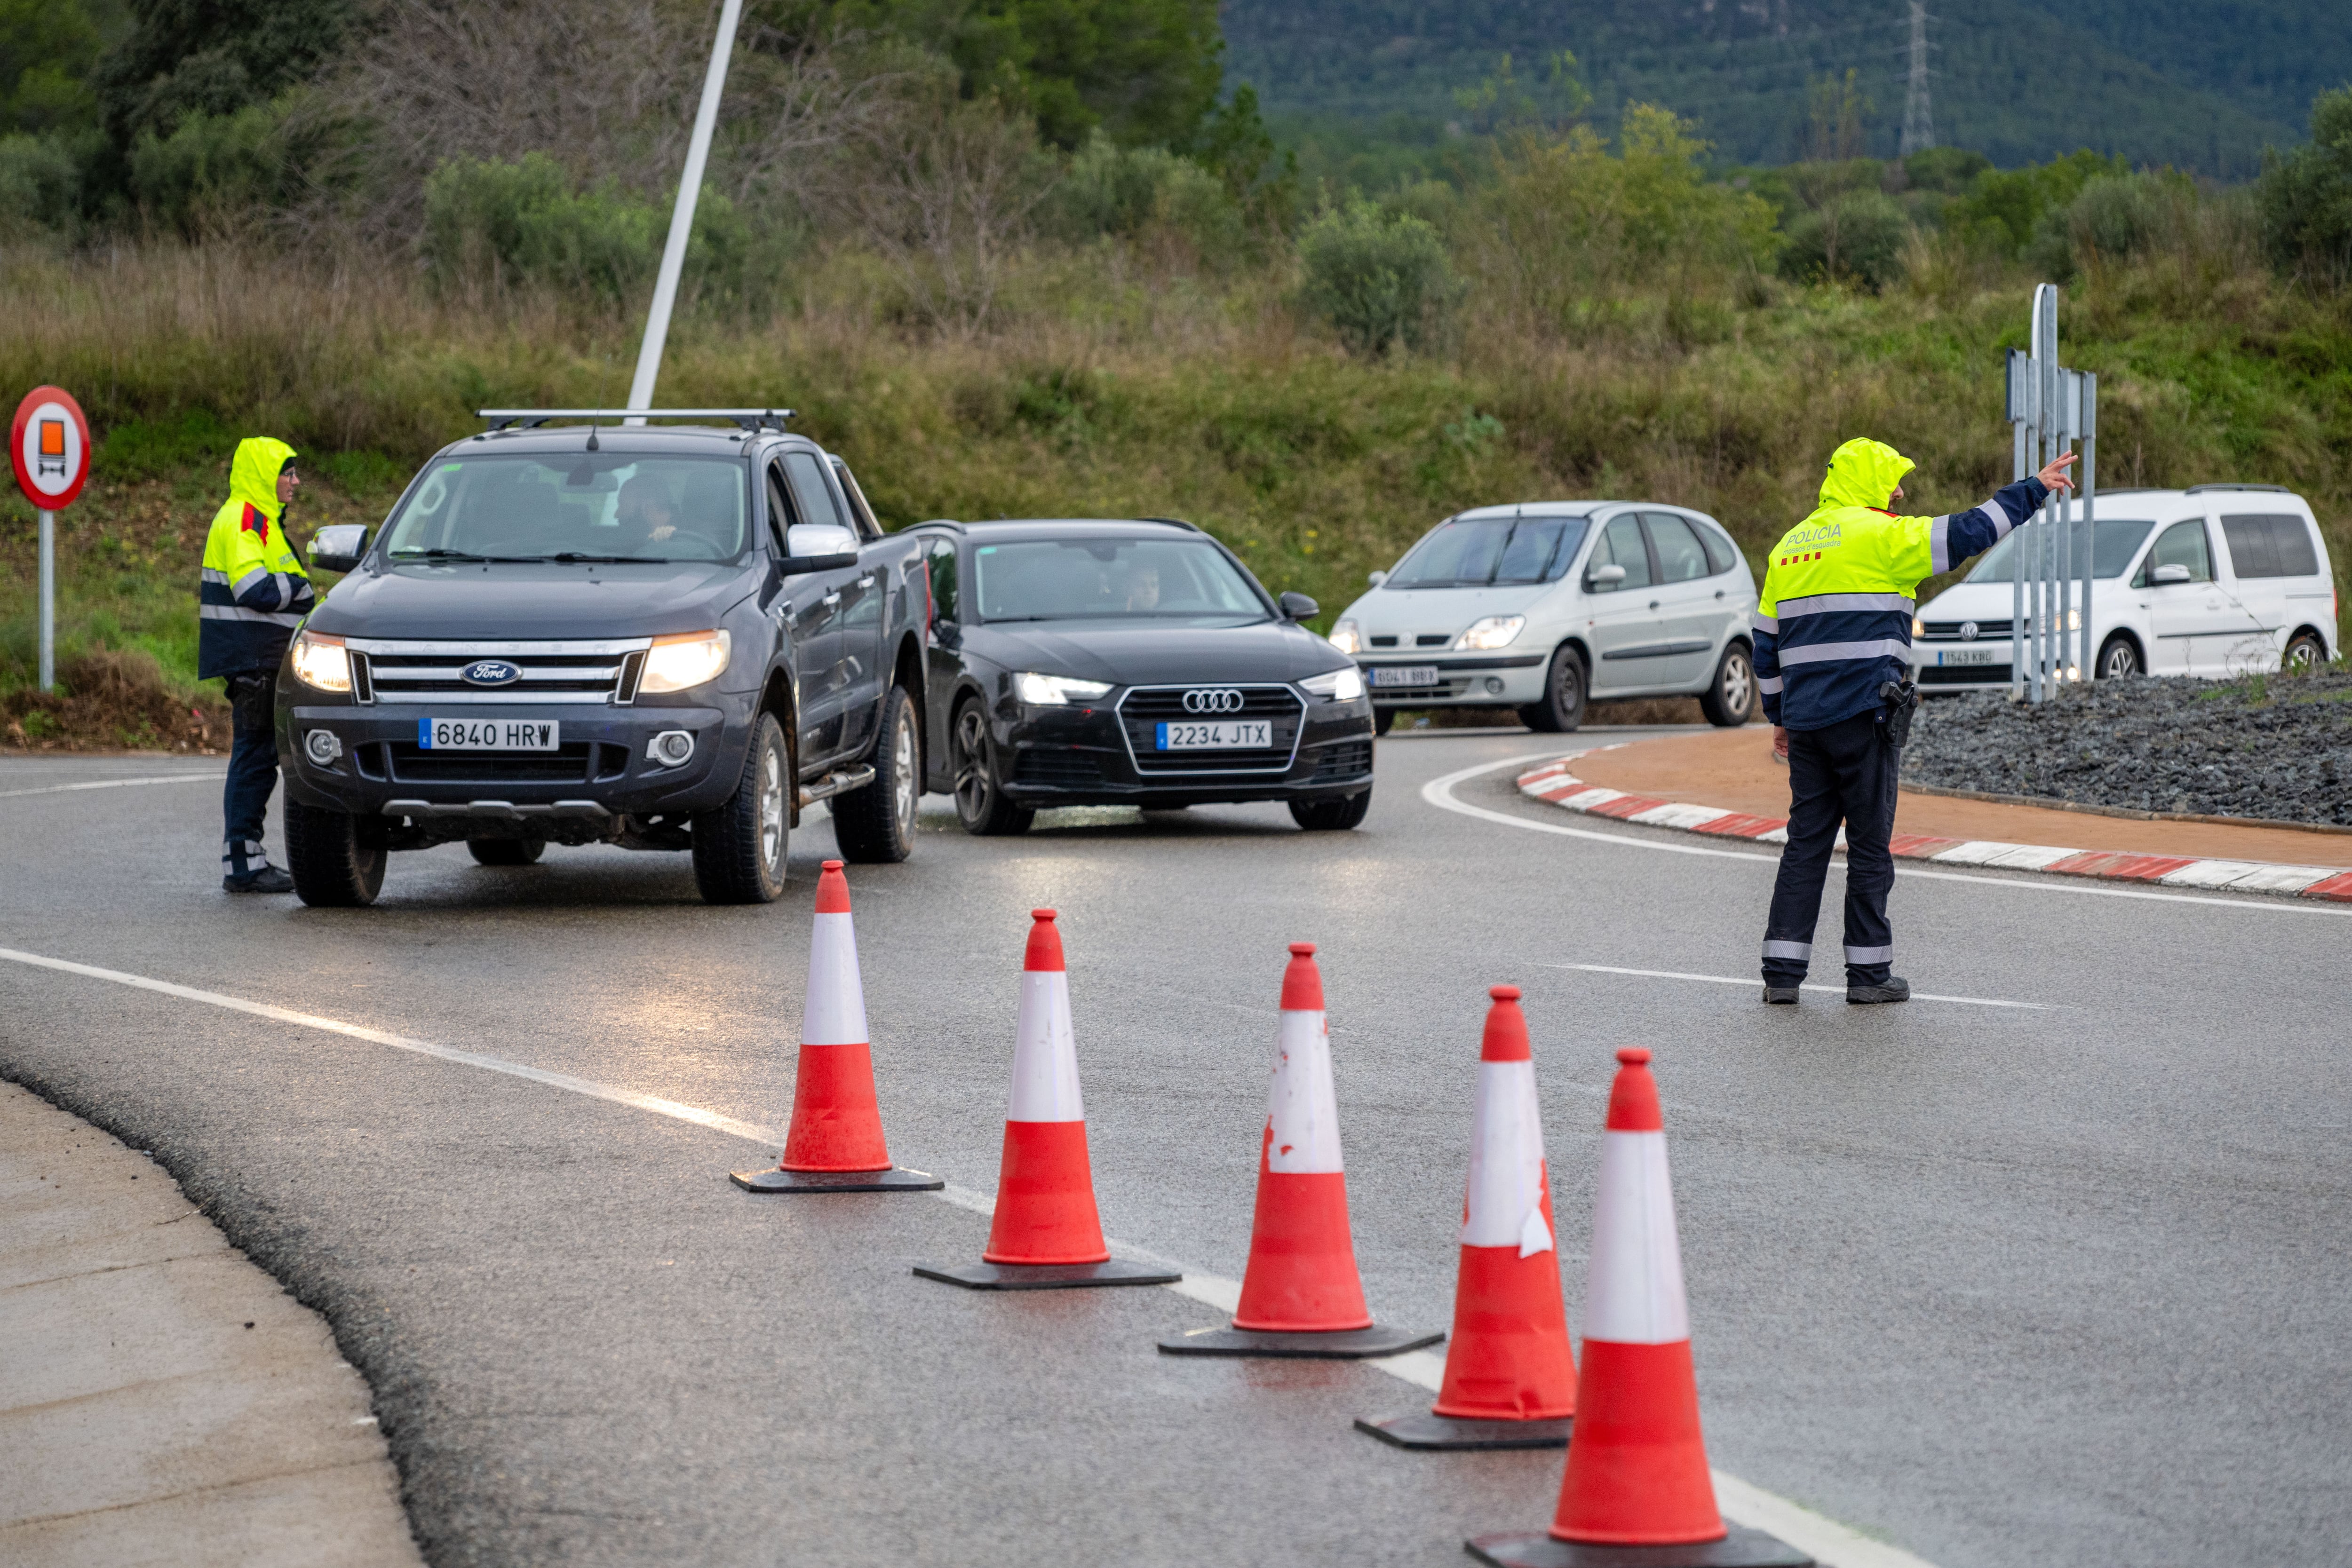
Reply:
x=252, y=770
x=1844, y=774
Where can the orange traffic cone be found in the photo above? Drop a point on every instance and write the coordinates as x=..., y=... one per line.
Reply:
x=1637, y=1474
x=835, y=1144
x=1045, y=1233
x=1300, y=1294
x=1510, y=1382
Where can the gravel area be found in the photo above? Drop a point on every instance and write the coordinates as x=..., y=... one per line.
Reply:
x=2262, y=745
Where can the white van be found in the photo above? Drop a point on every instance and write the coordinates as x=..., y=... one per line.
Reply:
x=1535, y=606
x=2216, y=580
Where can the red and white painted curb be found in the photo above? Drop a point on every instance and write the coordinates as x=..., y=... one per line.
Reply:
x=1554, y=785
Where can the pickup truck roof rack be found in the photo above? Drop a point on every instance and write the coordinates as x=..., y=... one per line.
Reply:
x=2200, y=489
x=750, y=419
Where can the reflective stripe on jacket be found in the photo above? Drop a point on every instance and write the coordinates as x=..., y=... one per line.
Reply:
x=253, y=590
x=1833, y=622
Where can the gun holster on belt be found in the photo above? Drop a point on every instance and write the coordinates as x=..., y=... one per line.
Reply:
x=253, y=700
x=1901, y=700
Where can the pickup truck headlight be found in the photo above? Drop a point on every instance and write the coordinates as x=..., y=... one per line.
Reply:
x=1056, y=691
x=1334, y=685
x=688, y=659
x=1348, y=638
x=1495, y=632
x=321, y=662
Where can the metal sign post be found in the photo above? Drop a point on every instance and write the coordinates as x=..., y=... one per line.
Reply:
x=49, y=445
x=2050, y=408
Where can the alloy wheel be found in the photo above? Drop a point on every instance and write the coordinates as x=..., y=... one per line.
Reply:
x=973, y=787
x=771, y=808
x=905, y=785
x=1738, y=685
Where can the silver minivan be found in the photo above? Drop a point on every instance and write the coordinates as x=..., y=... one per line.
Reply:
x=1534, y=607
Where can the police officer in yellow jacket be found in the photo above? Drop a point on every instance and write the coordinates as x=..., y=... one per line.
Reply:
x=252, y=595
x=1832, y=636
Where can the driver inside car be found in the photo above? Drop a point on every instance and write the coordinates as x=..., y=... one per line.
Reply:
x=645, y=513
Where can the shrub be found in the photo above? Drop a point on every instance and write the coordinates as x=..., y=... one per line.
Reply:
x=40, y=185
x=1380, y=277
x=2003, y=207
x=267, y=158
x=1859, y=237
x=2305, y=197
x=1115, y=190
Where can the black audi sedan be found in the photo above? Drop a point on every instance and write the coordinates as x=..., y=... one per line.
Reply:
x=1088, y=662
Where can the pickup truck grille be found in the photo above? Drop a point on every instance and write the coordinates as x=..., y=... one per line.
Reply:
x=567, y=764
x=1145, y=708
x=399, y=671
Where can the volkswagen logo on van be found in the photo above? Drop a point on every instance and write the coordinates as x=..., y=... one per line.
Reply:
x=1968, y=630
x=1212, y=699
x=490, y=673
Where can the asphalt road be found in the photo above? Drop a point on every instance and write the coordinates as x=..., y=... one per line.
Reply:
x=2003, y=1286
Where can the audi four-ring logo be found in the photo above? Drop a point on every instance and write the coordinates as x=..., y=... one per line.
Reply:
x=1221, y=699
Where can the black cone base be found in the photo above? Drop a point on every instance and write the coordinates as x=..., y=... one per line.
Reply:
x=1424, y=1430
x=1048, y=1275
x=1741, y=1549
x=1342, y=1344
x=893, y=1180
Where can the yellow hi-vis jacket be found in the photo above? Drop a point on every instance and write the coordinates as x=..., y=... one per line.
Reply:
x=253, y=592
x=1833, y=622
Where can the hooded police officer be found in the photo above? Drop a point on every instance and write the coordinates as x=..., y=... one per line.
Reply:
x=1833, y=665
x=252, y=595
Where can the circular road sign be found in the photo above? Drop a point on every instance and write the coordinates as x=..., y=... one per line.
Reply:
x=49, y=445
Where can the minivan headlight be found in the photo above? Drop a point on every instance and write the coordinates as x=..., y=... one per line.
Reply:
x=1336, y=685
x=321, y=662
x=1056, y=691
x=1348, y=638
x=684, y=659
x=1495, y=632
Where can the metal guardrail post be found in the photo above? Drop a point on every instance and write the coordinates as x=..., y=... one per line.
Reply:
x=2090, y=491
x=2020, y=422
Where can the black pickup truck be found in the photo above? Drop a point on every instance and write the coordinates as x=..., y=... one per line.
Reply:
x=658, y=636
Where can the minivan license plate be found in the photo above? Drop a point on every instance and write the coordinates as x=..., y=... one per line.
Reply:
x=1216, y=735
x=1404, y=675
x=1966, y=656
x=487, y=734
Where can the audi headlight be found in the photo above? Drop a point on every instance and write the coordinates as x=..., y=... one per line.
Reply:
x=1336, y=685
x=1056, y=691
x=1495, y=632
x=687, y=659
x=321, y=662
x=1348, y=638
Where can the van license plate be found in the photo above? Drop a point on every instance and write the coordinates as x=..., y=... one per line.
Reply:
x=1950, y=656
x=1218, y=735
x=487, y=734
x=1404, y=675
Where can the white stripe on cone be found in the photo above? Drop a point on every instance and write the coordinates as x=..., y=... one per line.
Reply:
x=1303, y=1110
x=1044, y=1052
x=1633, y=1284
x=834, y=1012
x=1504, y=1203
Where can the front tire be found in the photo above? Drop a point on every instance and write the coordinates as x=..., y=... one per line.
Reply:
x=2305, y=653
x=876, y=825
x=2118, y=657
x=506, y=851
x=739, y=847
x=981, y=805
x=337, y=859
x=1562, y=708
x=1331, y=816
x=1729, y=700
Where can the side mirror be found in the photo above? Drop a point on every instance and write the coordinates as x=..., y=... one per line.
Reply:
x=1298, y=606
x=2174, y=572
x=1377, y=579
x=338, y=546
x=1605, y=576
x=818, y=547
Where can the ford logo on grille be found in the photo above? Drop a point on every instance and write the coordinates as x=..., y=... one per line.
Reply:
x=1205, y=699
x=489, y=672
x=1968, y=630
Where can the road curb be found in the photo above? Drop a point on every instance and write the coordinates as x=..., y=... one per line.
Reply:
x=1553, y=784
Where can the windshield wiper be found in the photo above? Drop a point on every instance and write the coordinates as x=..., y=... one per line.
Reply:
x=573, y=555
x=436, y=553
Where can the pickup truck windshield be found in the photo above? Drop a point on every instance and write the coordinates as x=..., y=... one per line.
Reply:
x=1064, y=580
x=1474, y=551
x=602, y=506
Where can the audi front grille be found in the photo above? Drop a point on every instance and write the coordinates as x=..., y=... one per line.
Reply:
x=1143, y=709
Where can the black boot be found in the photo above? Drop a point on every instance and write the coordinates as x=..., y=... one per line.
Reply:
x=1779, y=996
x=1893, y=988
x=269, y=879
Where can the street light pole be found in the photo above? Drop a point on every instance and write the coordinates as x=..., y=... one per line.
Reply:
x=681, y=217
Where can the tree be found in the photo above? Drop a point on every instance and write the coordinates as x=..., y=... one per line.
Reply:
x=45, y=48
x=212, y=57
x=2306, y=196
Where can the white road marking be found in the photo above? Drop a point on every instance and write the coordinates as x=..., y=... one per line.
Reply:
x=1733, y=980
x=1439, y=792
x=115, y=784
x=1834, y=1544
